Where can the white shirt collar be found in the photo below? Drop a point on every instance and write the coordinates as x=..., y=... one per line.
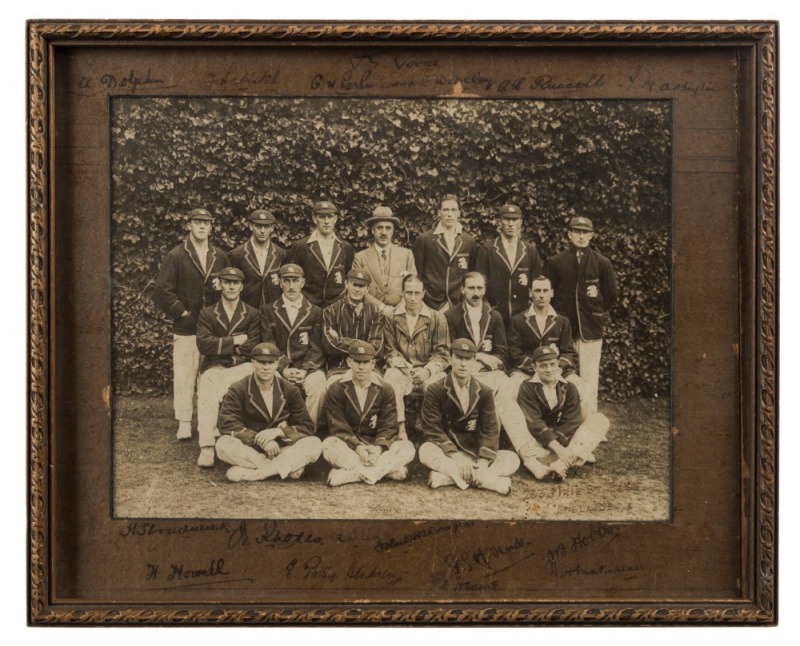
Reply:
x=373, y=379
x=315, y=237
x=535, y=379
x=400, y=308
x=532, y=311
x=292, y=304
x=459, y=228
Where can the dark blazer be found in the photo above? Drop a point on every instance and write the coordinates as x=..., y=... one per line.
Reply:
x=376, y=423
x=524, y=336
x=259, y=287
x=215, y=335
x=508, y=284
x=493, y=332
x=300, y=343
x=323, y=285
x=244, y=414
x=544, y=423
x=440, y=270
x=445, y=423
x=341, y=318
x=182, y=285
x=583, y=294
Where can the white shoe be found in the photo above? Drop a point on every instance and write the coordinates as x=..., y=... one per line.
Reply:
x=207, y=455
x=237, y=474
x=184, y=431
x=498, y=484
x=296, y=475
x=538, y=469
x=338, y=477
x=559, y=469
x=398, y=474
x=438, y=479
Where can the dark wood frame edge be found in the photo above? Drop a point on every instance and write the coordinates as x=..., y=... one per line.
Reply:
x=759, y=417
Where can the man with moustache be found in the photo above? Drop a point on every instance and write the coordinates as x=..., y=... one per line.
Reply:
x=385, y=261
x=416, y=343
x=185, y=284
x=552, y=410
x=324, y=257
x=226, y=334
x=473, y=319
x=443, y=256
x=585, y=288
x=460, y=430
x=364, y=443
x=295, y=325
x=347, y=320
x=509, y=265
x=259, y=259
x=264, y=427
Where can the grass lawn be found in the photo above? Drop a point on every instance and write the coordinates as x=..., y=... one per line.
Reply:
x=155, y=476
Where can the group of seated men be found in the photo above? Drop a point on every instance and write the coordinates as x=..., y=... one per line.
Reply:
x=325, y=341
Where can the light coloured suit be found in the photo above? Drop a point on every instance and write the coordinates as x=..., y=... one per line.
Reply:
x=386, y=286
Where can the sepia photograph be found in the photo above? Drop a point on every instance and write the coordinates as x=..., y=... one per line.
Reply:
x=410, y=322
x=391, y=308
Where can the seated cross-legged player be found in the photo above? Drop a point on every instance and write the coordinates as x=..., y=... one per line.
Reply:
x=552, y=409
x=265, y=429
x=460, y=429
x=364, y=443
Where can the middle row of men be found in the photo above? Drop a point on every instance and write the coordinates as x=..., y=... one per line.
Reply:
x=411, y=341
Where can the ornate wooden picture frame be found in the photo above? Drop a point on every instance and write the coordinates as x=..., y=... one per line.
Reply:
x=108, y=547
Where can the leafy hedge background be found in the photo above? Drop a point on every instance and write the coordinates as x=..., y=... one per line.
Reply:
x=609, y=160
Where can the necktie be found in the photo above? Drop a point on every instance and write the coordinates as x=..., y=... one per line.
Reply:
x=578, y=255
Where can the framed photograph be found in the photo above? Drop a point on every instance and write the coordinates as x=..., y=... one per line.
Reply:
x=648, y=151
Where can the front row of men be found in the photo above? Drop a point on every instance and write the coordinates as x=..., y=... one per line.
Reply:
x=265, y=427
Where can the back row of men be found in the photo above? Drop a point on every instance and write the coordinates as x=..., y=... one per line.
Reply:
x=406, y=305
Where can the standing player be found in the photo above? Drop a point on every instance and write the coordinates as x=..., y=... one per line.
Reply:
x=585, y=288
x=509, y=264
x=185, y=285
x=324, y=257
x=259, y=260
x=443, y=256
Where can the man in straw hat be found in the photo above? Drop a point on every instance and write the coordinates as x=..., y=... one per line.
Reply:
x=385, y=261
